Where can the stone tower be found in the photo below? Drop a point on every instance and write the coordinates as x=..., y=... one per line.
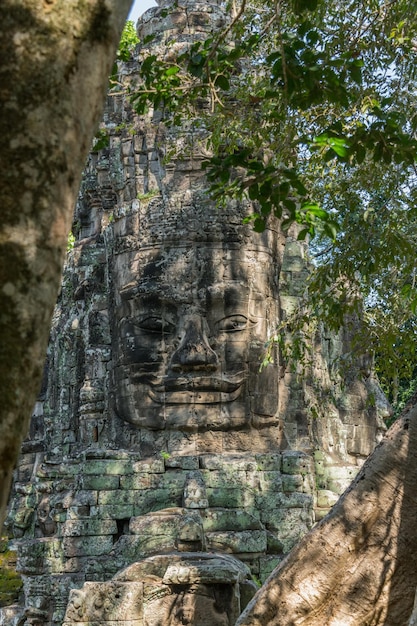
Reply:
x=164, y=472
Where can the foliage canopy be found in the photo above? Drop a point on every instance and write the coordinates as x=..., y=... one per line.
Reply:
x=310, y=113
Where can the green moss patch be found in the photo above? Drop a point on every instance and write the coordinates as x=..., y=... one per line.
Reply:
x=10, y=582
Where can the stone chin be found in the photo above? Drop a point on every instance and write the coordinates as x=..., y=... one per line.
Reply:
x=186, y=418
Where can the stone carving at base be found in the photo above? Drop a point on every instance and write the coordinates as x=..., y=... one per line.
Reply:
x=198, y=589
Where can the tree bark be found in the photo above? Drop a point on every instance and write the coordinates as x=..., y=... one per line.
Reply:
x=358, y=566
x=56, y=56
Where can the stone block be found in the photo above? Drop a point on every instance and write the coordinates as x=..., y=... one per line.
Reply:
x=182, y=462
x=276, y=501
x=269, y=462
x=337, y=472
x=267, y=564
x=270, y=481
x=24, y=472
x=230, y=519
x=320, y=467
x=292, y=482
x=77, y=512
x=202, y=568
x=102, y=567
x=140, y=481
x=295, y=462
x=154, y=500
x=320, y=514
x=66, y=565
x=237, y=542
x=289, y=525
x=274, y=545
x=103, y=467
x=130, y=622
x=228, y=462
x=289, y=304
x=158, y=523
x=171, y=479
x=80, y=498
x=88, y=527
x=101, y=482
x=150, y=466
x=224, y=478
x=113, y=511
x=326, y=498
x=230, y=497
x=87, y=546
x=117, y=497
x=338, y=486
x=297, y=482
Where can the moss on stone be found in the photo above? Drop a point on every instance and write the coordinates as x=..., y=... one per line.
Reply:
x=10, y=582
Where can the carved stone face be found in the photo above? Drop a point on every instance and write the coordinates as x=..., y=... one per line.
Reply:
x=190, y=327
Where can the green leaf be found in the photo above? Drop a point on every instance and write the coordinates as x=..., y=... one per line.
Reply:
x=331, y=228
x=285, y=224
x=339, y=145
x=253, y=192
x=255, y=166
x=290, y=205
x=259, y=225
x=303, y=234
x=222, y=82
x=171, y=71
x=360, y=153
x=250, y=218
x=315, y=210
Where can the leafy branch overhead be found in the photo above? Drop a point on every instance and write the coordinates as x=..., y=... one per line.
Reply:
x=294, y=84
x=308, y=110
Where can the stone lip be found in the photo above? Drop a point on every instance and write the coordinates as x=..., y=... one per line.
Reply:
x=175, y=390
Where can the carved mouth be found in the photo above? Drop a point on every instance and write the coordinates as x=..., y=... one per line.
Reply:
x=192, y=389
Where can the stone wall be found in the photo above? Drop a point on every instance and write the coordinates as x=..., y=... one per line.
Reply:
x=156, y=439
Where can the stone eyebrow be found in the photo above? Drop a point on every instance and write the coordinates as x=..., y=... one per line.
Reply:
x=150, y=295
x=128, y=291
x=148, y=288
x=218, y=291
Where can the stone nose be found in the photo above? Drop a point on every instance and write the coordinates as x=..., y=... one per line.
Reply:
x=194, y=352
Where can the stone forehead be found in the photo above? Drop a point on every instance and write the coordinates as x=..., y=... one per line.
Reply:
x=187, y=272
x=175, y=224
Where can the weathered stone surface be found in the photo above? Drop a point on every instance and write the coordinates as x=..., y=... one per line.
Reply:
x=78, y=528
x=87, y=545
x=294, y=462
x=156, y=434
x=194, y=588
x=230, y=519
x=103, y=602
x=237, y=542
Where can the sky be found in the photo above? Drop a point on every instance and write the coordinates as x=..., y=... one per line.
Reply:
x=139, y=7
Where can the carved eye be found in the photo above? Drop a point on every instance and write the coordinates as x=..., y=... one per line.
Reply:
x=153, y=324
x=232, y=323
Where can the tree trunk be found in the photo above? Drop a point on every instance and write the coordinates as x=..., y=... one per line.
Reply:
x=358, y=566
x=56, y=56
